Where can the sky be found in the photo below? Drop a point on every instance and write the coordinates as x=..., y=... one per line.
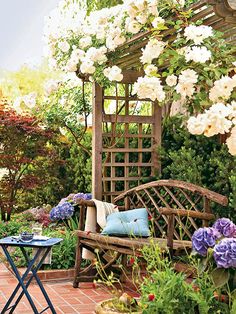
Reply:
x=21, y=31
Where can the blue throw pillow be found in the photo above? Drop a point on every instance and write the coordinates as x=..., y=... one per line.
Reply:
x=128, y=223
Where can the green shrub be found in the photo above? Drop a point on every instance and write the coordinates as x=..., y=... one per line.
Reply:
x=199, y=160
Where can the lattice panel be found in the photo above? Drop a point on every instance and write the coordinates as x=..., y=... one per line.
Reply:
x=131, y=132
x=167, y=194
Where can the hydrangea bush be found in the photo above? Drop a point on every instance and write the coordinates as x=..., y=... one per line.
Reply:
x=200, y=62
x=67, y=210
x=221, y=238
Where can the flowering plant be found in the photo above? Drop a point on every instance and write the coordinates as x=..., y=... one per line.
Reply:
x=190, y=70
x=67, y=210
x=218, y=243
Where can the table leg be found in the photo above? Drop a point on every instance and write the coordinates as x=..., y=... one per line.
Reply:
x=34, y=275
x=21, y=282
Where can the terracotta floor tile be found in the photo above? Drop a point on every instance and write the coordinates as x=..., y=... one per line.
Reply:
x=65, y=298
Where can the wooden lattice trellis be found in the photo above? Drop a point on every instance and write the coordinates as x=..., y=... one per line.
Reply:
x=111, y=132
x=125, y=143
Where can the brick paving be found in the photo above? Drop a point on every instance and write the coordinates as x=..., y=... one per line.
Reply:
x=65, y=298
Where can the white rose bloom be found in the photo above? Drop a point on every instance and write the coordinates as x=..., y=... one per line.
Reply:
x=141, y=5
x=217, y=124
x=30, y=100
x=158, y=20
x=64, y=46
x=149, y=87
x=50, y=86
x=142, y=18
x=231, y=141
x=152, y=7
x=222, y=89
x=188, y=76
x=232, y=108
x=197, y=54
x=198, y=33
x=150, y=70
x=171, y=80
x=234, y=63
x=152, y=50
x=85, y=42
x=77, y=54
x=113, y=74
x=221, y=109
x=97, y=55
x=71, y=65
x=72, y=80
x=133, y=26
x=197, y=125
x=185, y=89
x=87, y=67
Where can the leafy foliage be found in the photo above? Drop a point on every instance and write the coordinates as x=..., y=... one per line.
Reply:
x=198, y=160
x=22, y=142
x=25, y=81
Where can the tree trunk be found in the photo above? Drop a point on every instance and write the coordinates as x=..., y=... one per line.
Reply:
x=3, y=215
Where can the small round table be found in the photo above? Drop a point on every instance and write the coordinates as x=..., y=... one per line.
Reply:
x=42, y=247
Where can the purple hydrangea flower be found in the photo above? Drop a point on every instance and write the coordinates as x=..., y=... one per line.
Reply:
x=226, y=227
x=204, y=238
x=62, y=211
x=225, y=253
x=84, y=196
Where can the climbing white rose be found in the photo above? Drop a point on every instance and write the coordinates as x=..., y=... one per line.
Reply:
x=231, y=141
x=197, y=125
x=113, y=73
x=87, y=67
x=133, y=26
x=171, y=80
x=197, y=54
x=85, y=42
x=198, y=33
x=152, y=50
x=150, y=70
x=64, y=46
x=149, y=87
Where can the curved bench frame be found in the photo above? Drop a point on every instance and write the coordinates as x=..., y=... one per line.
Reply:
x=176, y=209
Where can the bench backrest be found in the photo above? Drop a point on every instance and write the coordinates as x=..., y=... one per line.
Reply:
x=179, y=205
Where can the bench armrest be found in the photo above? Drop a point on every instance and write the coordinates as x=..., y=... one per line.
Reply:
x=83, y=204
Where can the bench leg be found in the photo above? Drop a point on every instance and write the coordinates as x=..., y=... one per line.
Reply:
x=78, y=261
x=124, y=264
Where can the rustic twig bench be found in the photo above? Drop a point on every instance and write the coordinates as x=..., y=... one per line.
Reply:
x=176, y=209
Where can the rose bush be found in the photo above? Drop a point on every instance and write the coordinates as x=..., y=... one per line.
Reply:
x=199, y=59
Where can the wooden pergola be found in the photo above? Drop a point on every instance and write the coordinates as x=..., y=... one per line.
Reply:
x=124, y=149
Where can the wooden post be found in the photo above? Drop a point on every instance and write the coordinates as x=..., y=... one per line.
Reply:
x=97, y=142
x=156, y=136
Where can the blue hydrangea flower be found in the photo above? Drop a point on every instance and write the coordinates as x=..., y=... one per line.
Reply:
x=203, y=239
x=84, y=196
x=225, y=253
x=226, y=227
x=62, y=211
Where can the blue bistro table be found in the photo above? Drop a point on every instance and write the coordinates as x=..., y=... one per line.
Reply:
x=33, y=264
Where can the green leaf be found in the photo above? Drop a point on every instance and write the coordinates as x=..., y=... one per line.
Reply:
x=233, y=310
x=220, y=277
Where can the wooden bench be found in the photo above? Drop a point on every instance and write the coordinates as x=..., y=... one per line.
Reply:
x=176, y=209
